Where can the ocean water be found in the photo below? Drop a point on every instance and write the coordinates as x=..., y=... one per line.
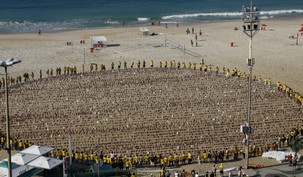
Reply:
x=23, y=16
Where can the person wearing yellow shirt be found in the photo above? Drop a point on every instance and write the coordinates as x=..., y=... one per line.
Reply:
x=136, y=160
x=179, y=65
x=138, y=64
x=260, y=151
x=176, y=159
x=96, y=159
x=170, y=160
x=161, y=161
x=146, y=160
x=81, y=157
x=20, y=145
x=127, y=164
x=174, y=63
x=284, y=87
x=63, y=153
x=160, y=64
x=201, y=66
x=151, y=63
x=113, y=66
x=2, y=141
x=210, y=69
x=269, y=82
x=130, y=159
x=189, y=158
x=195, y=65
x=165, y=160
x=221, y=169
x=233, y=72
x=11, y=143
x=278, y=84
x=92, y=157
x=183, y=158
x=183, y=65
x=165, y=64
x=85, y=158
x=189, y=65
x=205, y=68
x=205, y=155
x=109, y=160
x=76, y=156
x=255, y=78
x=144, y=64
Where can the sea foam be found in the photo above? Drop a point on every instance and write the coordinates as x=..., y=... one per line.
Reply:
x=231, y=14
x=142, y=19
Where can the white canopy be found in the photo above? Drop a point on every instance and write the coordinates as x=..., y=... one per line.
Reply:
x=98, y=39
x=22, y=159
x=45, y=163
x=36, y=150
x=17, y=170
x=144, y=29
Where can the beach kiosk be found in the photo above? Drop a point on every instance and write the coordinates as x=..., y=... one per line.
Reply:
x=145, y=31
x=97, y=42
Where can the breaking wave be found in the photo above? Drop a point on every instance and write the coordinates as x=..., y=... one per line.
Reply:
x=232, y=14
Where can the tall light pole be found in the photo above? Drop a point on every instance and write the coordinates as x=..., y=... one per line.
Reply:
x=5, y=64
x=251, y=25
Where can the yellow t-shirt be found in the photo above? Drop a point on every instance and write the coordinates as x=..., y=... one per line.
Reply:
x=221, y=167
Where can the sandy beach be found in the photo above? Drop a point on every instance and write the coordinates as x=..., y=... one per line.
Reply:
x=277, y=56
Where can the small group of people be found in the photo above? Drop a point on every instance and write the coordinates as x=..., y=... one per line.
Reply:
x=196, y=36
x=292, y=161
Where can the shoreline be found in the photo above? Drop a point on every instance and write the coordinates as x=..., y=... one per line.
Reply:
x=170, y=23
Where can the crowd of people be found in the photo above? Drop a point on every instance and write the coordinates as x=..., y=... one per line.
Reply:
x=167, y=115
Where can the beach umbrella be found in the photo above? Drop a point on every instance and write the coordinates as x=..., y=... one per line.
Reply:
x=264, y=25
x=300, y=31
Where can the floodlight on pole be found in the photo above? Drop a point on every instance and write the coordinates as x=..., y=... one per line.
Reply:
x=251, y=25
x=5, y=64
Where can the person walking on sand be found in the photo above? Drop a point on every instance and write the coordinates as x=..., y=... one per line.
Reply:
x=192, y=43
x=187, y=31
x=39, y=32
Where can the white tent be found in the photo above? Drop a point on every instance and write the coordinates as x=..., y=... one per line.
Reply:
x=45, y=163
x=145, y=31
x=98, y=41
x=36, y=150
x=22, y=159
x=17, y=170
